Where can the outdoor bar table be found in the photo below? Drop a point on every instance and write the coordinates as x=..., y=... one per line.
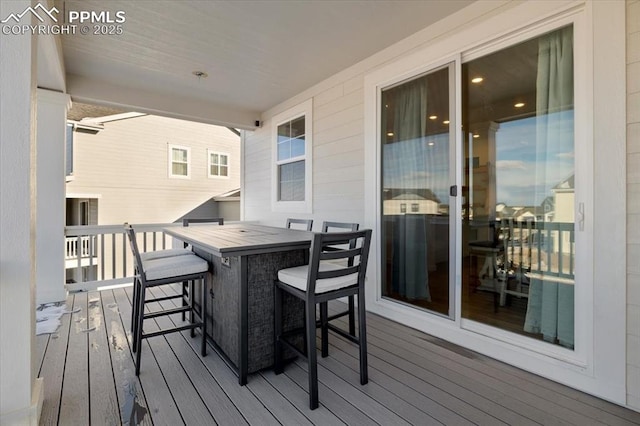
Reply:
x=245, y=259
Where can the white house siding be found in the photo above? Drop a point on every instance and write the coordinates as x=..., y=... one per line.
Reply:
x=338, y=168
x=341, y=163
x=633, y=203
x=126, y=165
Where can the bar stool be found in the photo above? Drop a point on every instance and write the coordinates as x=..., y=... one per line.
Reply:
x=163, y=271
x=185, y=284
x=146, y=256
x=331, y=227
x=318, y=282
x=307, y=223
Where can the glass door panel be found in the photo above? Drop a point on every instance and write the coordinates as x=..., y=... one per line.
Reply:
x=417, y=137
x=518, y=198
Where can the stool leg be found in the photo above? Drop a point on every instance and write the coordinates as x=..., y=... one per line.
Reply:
x=134, y=304
x=310, y=317
x=137, y=340
x=185, y=294
x=203, y=314
x=352, y=316
x=362, y=338
x=191, y=305
x=324, y=329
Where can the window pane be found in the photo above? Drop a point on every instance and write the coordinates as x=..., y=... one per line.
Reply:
x=519, y=207
x=297, y=147
x=223, y=159
x=415, y=197
x=284, y=150
x=179, y=155
x=291, y=186
x=214, y=170
x=284, y=131
x=297, y=127
x=179, y=169
x=224, y=171
x=214, y=159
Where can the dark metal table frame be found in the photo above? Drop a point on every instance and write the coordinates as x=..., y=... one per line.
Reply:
x=242, y=240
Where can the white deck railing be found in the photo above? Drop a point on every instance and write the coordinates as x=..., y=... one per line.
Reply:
x=99, y=255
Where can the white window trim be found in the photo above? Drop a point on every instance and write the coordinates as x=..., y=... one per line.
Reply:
x=604, y=301
x=304, y=109
x=209, y=164
x=170, y=162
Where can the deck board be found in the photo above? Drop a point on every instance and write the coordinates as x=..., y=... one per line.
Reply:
x=103, y=401
x=420, y=352
x=132, y=403
x=414, y=378
x=74, y=403
x=162, y=408
x=492, y=374
x=53, y=366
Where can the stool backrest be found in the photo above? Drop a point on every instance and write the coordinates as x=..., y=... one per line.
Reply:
x=335, y=247
x=308, y=223
x=133, y=243
x=341, y=226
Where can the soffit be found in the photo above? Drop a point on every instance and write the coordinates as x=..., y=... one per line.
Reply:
x=256, y=53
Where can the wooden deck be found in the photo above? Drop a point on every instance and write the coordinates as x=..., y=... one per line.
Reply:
x=414, y=379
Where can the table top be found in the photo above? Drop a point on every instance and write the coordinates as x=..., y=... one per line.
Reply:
x=238, y=239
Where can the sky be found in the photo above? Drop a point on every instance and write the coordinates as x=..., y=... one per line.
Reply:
x=524, y=176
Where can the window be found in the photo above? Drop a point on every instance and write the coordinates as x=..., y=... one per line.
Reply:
x=415, y=208
x=179, y=162
x=291, y=188
x=218, y=164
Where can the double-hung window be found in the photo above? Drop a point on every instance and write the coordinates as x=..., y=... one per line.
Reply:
x=179, y=162
x=218, y=164
x=292, y=152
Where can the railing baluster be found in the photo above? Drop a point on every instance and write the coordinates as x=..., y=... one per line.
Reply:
x=79, y=257
x=102, y=256
x=560, y=253
x=113, y=255
x=124, y=255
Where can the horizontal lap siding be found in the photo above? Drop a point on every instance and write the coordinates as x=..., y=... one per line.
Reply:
x=126, y=164
x=338, y=160
x=633, y=203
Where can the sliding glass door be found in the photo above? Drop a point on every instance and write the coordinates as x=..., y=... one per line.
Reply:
x=513, y=259
x=519, y=179
x=417, y=145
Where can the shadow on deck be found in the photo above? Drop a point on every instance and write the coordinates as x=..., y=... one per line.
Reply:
x=414, y=378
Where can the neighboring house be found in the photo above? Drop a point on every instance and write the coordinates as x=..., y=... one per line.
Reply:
x=332, y=167
x=150, y=169
x=138, y=168
x=410, y=202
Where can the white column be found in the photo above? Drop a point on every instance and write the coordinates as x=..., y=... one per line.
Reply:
x=50, y=195
x=20, y=392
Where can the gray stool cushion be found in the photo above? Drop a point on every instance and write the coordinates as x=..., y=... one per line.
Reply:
x=174, y=266
x=161, y=254
x=297, y=277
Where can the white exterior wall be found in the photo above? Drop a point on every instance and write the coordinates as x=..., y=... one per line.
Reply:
x=50, y=217
x=126, y=166
x=344, y=176
x=633, y=203
x=338, y=169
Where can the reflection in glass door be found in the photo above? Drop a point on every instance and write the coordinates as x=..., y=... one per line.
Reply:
x=518, y=240
x=417, y=139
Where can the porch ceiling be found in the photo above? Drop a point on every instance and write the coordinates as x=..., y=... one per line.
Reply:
x=256, y=53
